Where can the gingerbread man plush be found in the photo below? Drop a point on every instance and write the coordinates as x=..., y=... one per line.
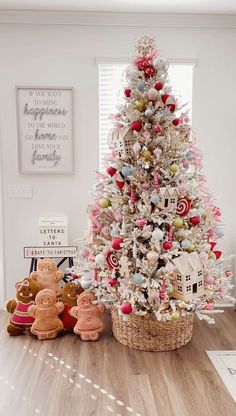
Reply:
x=48, y=275
x=70, y=292
x=46, y=324
x=21, y=321
x=89, y=317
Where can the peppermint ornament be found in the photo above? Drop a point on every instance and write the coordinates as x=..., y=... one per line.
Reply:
x=183, y=206
x=112, y=260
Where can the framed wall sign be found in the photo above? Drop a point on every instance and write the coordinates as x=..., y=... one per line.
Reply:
x=45, y=129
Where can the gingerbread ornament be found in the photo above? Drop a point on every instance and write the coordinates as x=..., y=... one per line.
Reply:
x=70, y=292
x=48, y=275
x=21, y=321
x=46, y=324
x=89, y=317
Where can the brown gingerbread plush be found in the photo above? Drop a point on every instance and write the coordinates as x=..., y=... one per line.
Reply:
x=48, y=275
x=26, y=292
x=89, y=317
x=46, y=311
x=70, y=292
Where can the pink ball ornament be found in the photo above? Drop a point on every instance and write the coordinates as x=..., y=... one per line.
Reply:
x=158, y=128
x=127, y=92
x=195, y=220
x=158, y=86
x=209, y=306
x=185, y=163
x=154, y=295
x=116, y=242
x=119, y=217
x=152, y=94
x=167, y=245
x=209, y=280
x=141, y=223
x=91, y=259
x=228, y=273
x=84, y=253
x=136, y=125
x=145, y=186
x=126, y=308
x=112, y=282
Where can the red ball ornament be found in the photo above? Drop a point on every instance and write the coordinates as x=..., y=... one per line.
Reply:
x=158, y=128
x=158, y=86
x=195, y=220
x=217, y=254
x=136, y=125
x=167, y=245
x=176, y=121
x=126, y=308
x=116, y=242
x=149, y=71
x=112, y=282
x=169, y=101
x=127, y=92
x=111, y=171
x=142, y=64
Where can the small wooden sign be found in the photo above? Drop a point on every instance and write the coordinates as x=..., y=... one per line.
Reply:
x=54, y=252
x=53, y=231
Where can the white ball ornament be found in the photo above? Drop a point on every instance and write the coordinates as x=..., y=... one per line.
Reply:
x=152, y=94
x=157, y=234
x=152, y=256
x=155, y=199
x=100, y=259
x=185, y=244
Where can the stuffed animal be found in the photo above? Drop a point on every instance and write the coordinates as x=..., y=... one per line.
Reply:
x=70, y=292
x=26, y=292
x=89, y=317
x=48, y=275
x=46, y=311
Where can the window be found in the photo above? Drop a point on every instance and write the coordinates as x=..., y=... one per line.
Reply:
x=179, y=277
x=200, y=283
x=188, y=288
x=172, y=200
x=179, y=288
x=110, y=76
x=188, y=278
x=199, y=273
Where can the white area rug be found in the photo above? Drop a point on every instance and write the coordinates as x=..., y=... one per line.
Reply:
x=225, y=364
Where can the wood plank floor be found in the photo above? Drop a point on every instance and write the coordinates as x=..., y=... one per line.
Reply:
x=68, y=377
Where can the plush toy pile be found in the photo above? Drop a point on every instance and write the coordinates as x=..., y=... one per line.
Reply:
x=151, y=245
x=43, y=308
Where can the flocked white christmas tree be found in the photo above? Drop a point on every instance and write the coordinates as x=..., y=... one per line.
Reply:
x=150, y=247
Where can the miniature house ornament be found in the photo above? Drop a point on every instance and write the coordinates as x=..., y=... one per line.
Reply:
x=168, y=198
x=122, y=141
x=188, y=283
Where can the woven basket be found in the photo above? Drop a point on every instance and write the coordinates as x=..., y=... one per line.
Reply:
x=146, y=333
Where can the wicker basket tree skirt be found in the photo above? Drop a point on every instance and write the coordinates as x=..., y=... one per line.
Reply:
x=146, y=333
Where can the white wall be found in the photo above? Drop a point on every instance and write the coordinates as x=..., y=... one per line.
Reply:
x=65, y=55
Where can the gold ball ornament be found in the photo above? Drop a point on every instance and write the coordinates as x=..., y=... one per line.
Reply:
x=191, y=248
x=175, y=315
x=105, y=202
x=173, y=168
x=178, y=222
x=211, y=255
x=140, y=106
x=147, y=155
